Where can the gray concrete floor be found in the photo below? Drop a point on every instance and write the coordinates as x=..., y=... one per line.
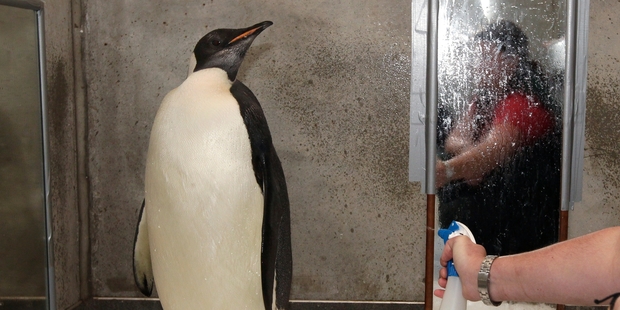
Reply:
x=154, y=305
x=108, y=304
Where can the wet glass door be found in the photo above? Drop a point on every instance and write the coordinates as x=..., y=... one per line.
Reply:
x=23, y=241
x=499, y=134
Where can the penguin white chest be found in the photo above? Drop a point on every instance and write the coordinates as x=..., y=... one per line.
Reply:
x=204, y=207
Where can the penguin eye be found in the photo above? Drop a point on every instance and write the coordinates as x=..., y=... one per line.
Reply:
x=216, y=42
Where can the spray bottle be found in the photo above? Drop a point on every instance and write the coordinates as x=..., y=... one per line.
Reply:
x=453, y=297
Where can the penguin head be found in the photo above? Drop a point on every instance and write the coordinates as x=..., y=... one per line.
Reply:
x=225, y=48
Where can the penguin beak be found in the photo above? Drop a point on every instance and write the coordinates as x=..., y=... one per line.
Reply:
x=251, y=31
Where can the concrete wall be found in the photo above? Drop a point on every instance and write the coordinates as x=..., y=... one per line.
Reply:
x=601, y=193
x=333, y=78
x=63, y=150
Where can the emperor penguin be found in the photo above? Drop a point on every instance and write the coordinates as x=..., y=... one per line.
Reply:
x=214, y=228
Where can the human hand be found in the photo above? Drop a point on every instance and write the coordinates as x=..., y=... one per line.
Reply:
x=467, y=257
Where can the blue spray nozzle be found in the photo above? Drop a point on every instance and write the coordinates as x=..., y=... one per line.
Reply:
x=451, y=231
x=455, y=229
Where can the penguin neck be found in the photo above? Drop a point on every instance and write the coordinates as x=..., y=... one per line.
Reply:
x=231, y=69
x=210, y=77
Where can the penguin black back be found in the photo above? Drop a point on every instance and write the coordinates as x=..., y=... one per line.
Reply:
x=276, y=234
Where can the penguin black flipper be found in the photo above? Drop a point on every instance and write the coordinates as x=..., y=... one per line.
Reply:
x=142, y=269
x=276, y=253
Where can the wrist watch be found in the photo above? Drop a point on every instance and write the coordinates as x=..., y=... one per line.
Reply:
x=484, y=276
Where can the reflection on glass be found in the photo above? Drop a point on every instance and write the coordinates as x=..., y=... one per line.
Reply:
x=22, y=211
x=499, y=134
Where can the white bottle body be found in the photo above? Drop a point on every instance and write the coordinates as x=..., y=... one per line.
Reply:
x=453, y=296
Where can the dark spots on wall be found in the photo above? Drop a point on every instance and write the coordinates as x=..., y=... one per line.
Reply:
x=58, y=97
x=308, y=283
x=60, y=117
x=603, y=128
x=353, y=108
x=254, y=59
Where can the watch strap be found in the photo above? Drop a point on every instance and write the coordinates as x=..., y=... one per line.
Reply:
x=484, y=276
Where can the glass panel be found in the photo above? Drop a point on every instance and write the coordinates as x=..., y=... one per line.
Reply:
x=500, y=69
x=22, y=209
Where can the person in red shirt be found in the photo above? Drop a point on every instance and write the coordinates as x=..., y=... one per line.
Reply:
x=501, y=171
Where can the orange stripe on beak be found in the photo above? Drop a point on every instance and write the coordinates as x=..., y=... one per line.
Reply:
x=244, y=35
